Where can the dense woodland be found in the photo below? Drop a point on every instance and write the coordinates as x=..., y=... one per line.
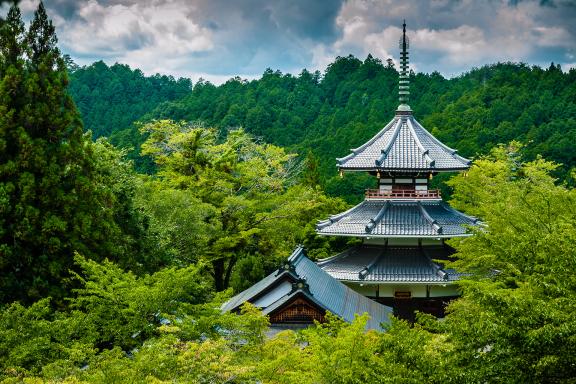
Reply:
x=109, y=275
x=327, y=114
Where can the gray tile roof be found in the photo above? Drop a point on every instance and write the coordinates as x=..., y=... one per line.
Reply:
x=403, y=144
x=398, y=218
x=271, y=293
x=389, y=265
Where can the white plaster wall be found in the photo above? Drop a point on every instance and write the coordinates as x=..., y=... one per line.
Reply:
x=366, y=290
x=439, y=291
x=416, y=290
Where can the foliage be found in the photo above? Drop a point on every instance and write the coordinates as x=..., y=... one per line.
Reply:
x=111, y=98
x=126, y=309
x=242, y=198
x=59, y=191
x=123, y=328
x=224, y=207
x=515, y=322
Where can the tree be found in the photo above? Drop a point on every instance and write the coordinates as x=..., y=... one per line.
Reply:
x=311, y=174
x=515, y=321
x=242, y=197
x=53, y=198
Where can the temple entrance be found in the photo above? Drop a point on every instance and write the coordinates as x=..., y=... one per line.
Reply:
x=405, y=308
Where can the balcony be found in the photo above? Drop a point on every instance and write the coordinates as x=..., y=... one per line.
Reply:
x=432, y=194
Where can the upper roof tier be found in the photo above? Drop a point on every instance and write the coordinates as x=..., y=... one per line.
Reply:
x=403, y=145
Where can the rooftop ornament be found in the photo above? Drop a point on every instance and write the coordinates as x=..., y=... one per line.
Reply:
x=404, y=79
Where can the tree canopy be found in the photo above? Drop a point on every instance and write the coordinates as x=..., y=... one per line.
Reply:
x=60, y=192
x=247, y=207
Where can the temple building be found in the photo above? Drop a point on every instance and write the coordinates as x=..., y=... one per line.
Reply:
x=402, y=223
x=299, y=292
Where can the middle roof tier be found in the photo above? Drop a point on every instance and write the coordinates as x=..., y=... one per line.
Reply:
x=399, y=218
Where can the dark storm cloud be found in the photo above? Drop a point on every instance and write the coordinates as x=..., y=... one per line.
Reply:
x=218, y=39
x=303, y=18
x=251, y=35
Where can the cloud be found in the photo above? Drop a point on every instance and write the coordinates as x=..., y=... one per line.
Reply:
x=453, y=36
x=219, y=39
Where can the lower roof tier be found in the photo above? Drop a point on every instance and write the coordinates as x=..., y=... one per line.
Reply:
x=385, y=264
x=399, y=218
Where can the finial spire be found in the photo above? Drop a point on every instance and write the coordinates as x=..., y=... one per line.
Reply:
x=404, y=82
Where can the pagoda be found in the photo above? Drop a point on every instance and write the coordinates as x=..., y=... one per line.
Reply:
x=403, y=223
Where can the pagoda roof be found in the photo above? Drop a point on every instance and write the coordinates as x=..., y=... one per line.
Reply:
x=390, y=265
x=399, y=218
x=403, y=145
x=301, y=277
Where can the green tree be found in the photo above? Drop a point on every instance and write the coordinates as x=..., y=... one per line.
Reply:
x=515, y=320
x=311, y=174
x=243, y=195
x=54, y=199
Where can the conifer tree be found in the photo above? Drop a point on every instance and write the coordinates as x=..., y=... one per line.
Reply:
x=51, y=203
x=311, y=174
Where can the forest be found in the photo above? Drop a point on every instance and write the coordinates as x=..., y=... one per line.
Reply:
x=322, y=116
x=132, y=207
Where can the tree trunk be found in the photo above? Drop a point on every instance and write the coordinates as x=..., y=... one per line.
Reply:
x=231, y=265
x=218, y=267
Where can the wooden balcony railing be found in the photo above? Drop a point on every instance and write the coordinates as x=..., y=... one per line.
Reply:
x=403, y=194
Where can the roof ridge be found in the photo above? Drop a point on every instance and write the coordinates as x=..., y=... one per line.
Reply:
x=439, y=271
x=369, y=142
x=437, y=227
x=378, y=217
x=386, y=150
x=425, y=152
x=367, y=269
x=298, y=252
x=451, y=151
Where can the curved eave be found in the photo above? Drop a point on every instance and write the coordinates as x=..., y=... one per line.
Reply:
x=473, y=219
x=452, y=151
x=396, y=282
x=417, y=133
x=393, y=236
x=334, y=218
x=355, y=151
x=384, y=169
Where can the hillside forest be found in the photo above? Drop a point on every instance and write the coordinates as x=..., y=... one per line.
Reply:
x=133, y=206
x=322, y=116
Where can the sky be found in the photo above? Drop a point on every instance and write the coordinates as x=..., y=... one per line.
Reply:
x=219, y=39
